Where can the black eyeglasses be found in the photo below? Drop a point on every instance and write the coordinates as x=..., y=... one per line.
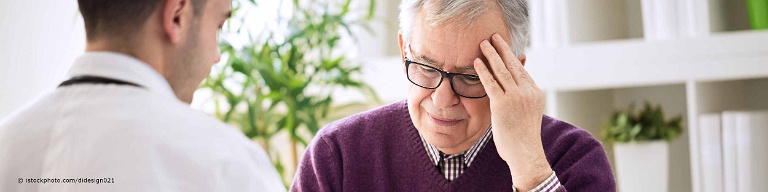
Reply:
x=429, y=77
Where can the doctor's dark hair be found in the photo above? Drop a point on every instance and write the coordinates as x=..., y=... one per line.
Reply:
x=121, y=18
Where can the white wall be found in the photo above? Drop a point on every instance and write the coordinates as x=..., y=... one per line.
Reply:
x=378, y=53
x=39, y=40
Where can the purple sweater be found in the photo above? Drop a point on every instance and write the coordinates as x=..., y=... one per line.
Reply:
x=380, y=150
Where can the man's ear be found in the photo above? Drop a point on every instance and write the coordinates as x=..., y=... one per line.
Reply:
x=172, y=19
x=400, y=43
x=522, y=59
x=402, y=48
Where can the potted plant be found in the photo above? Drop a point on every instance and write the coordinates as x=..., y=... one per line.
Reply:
x=640, y=146
x=278, y=81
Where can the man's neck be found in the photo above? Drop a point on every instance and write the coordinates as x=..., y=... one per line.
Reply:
x=135, y=50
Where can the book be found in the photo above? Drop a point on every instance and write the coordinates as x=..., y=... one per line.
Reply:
x=710, y=152
x=729, y=151
x=745, y=150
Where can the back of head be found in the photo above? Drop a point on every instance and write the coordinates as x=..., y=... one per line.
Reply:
x=174, y=37
x=120, y=18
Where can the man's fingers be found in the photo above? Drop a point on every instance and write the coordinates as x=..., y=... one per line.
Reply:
x=504, y=50
x=497, y=66
x=521, y=76
x=511, y=62
x=529, y=79
x=486, y=78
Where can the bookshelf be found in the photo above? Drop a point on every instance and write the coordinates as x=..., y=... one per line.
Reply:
x=600, y=61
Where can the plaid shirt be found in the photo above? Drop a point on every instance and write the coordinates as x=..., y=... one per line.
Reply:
x=452, y=165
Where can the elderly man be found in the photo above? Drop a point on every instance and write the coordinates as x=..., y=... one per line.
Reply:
x=473, y=119
x=122, y=121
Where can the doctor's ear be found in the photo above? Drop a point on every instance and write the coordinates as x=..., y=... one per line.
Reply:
x=175, y=19
x=522, y=59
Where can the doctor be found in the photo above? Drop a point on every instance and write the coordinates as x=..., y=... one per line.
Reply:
x=122, y=119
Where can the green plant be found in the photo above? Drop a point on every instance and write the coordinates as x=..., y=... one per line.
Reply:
x=758, y=13
x=281, y=80
x=647, y=125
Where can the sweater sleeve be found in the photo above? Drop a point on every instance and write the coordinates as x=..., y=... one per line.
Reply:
x=586, y=169
x=320, y=168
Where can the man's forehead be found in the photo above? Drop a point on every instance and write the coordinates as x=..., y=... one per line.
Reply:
x=465, y=40
x=457, y=57
x=469, y=36
x=461, y=31
x=462, y=38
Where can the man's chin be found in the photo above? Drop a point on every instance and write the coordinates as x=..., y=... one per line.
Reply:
x=441, y=140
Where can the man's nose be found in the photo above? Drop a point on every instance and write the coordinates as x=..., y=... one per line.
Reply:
x=443, y=96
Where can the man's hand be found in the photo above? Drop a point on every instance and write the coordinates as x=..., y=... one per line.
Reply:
x=517, y=106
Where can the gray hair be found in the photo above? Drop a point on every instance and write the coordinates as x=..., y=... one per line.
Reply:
x=515, y=14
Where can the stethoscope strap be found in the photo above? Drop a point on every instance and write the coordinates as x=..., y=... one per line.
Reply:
x=94, y=80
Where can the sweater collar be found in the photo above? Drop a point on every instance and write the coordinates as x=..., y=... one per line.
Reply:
x=469, y=154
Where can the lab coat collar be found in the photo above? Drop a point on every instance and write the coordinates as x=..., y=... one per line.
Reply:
x=121, y=67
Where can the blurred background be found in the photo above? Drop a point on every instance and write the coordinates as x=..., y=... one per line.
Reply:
x=675, y=89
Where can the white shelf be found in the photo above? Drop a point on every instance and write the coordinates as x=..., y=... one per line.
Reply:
x=627, y=63
x=592, y=57
x=725, y=71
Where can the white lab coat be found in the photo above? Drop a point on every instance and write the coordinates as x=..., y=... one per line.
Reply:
x=139, y=138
